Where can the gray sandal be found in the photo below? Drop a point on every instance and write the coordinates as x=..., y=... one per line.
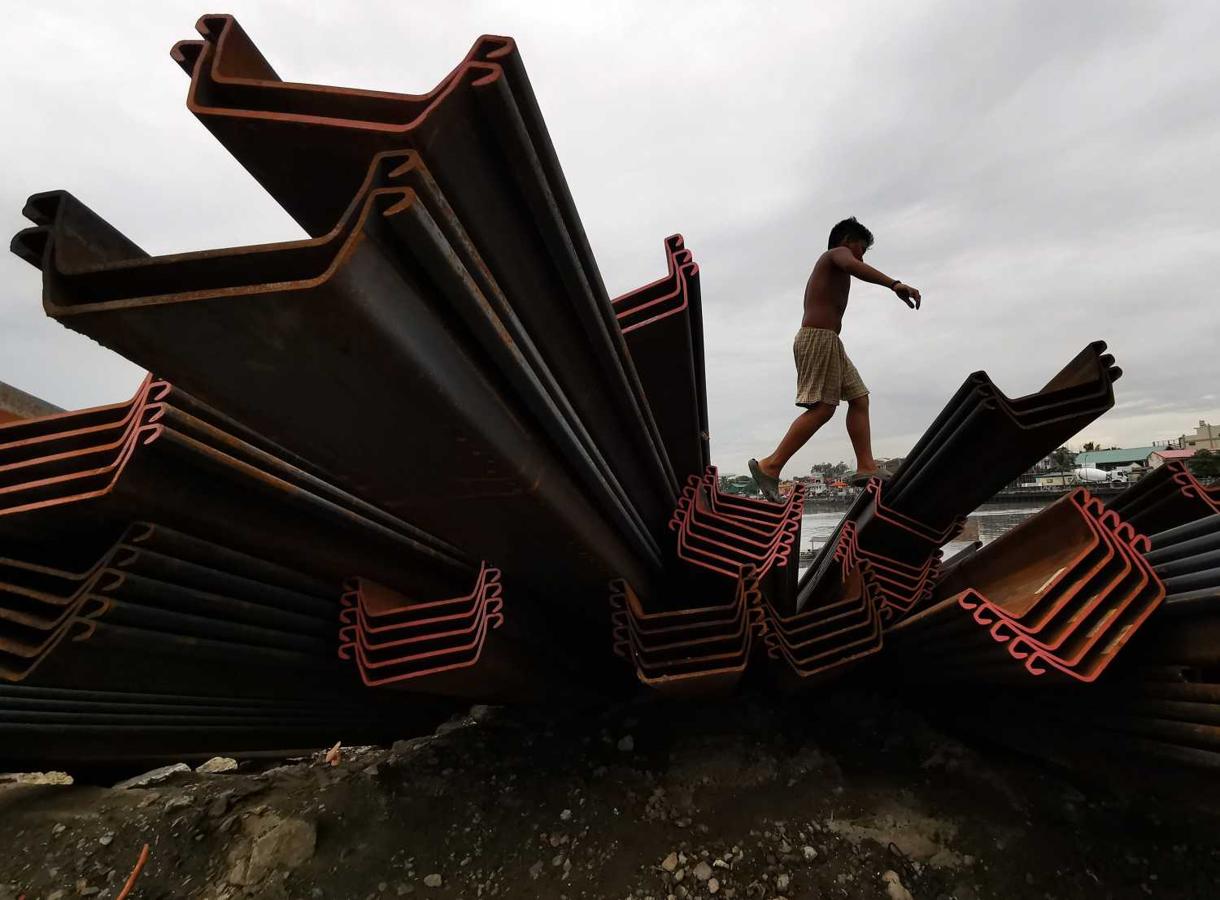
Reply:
x=860, y=479
x=768, y=484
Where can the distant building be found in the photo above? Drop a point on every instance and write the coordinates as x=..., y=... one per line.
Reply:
x=737, y=484
x=17, y=404
x=1158, y=458
x=1054, y=479
x=1109, y=460
x=1206, y=437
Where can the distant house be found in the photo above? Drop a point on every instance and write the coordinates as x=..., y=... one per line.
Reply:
x=1054, y=479
x=1109, y=460
x=1158, y=458
x=1206, y=437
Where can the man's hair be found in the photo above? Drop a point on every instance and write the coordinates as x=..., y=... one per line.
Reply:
x=849, y=230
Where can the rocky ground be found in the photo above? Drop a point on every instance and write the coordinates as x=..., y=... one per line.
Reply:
x=840, y=797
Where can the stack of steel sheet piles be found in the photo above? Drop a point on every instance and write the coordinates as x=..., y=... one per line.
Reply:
x=1168, y=496
x=883, y=560
x=231, y=644
x=701, y=647
x=663, y=325
x=1161, y=698
x=983, y=440
x=434, y=379
x=460, y=646
x=733, y=557
x=1059, y=596
x=165, y=457
x=399, y=462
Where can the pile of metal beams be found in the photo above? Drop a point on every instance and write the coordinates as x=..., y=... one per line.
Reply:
x=1089, y=587
x=430, y=410
x=395, y=465
x=884, y=559
x=1058, y=596
x=1167, y=496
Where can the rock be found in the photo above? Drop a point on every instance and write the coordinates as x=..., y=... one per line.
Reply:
x=781, y=882
x=34, y=778
x=402, y=889
x=173, y=804
x=670, y=862
x=58, y=828
x=220, y=805
x=703, y=871
x=626, y=744
x=893, y=886
x=154, y=776
x=399, y=748
x=106, y=839
x=216, y=765
x=712, y=885
x=481, y=712
x=452, y=725
x=536, y=869
x=565, y=815
x=273, y=843
x=809, y=853
x=433, y=880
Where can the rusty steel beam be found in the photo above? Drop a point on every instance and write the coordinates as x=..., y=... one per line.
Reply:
x=664, y=337
x=487, y=146
x=474, y=433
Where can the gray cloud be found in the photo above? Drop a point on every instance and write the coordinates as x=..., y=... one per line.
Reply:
x=1044, y=173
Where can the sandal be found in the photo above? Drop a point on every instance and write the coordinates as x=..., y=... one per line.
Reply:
x=768, y=484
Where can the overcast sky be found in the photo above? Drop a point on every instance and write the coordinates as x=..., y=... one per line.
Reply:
x=1046, y=173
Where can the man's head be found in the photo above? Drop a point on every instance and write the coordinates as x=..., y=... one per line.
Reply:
x=851, y=234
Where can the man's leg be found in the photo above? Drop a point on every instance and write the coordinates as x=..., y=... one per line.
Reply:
x=859, y=431
x=799, y=432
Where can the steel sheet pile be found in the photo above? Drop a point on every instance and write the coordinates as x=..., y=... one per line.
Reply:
x=402, y=464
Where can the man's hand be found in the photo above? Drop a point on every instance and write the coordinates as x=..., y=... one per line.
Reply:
x=907, y=294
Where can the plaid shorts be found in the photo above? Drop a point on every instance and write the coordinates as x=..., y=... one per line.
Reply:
x=824, y=374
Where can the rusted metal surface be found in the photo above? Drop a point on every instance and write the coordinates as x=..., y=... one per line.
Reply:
x=164, y=465
x=488, y=148
x=703, y=648
x=1167, y=497
x=16, y=405
x=478, y=436
x=1062, y=594
x=237, y=646
x=437, y=377
x=665, y=337
x=1004, y=436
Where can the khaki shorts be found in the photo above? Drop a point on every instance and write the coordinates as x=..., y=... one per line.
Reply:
x=824, y=374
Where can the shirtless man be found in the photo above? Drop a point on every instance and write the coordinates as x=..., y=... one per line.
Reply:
x=824, y=374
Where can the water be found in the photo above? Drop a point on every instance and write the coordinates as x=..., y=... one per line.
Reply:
x=817, y=527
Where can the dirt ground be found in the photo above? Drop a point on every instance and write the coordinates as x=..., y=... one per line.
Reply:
x=843, y=796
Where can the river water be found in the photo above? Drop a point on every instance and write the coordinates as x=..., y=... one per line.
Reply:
x=816, y=527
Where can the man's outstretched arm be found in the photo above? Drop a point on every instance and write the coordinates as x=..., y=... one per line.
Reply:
x=846, y=260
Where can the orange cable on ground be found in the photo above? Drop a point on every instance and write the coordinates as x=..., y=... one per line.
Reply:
x=135, y=873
